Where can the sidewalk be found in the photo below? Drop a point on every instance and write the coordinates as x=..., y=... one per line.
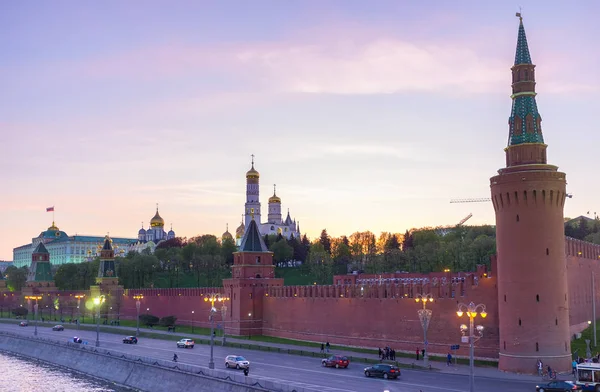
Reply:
x=439, y=366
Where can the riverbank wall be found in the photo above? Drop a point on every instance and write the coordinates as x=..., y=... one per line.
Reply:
x=141, y=373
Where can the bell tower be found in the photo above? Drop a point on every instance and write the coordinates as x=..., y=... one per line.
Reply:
x=252, y=273
x=528, y=197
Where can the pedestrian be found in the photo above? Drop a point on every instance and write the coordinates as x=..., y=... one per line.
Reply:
x=380, y=353
x=448, y=359
x=417, y=352
x=327, y=346
x=323, y=348
x=540, y=367
x=393, y=355
x=574, y=367
x=423, y=353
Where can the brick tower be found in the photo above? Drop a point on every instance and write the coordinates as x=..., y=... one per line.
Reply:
x=528, y=197
x=40, y=278
x=252, y=272
x=107, y=282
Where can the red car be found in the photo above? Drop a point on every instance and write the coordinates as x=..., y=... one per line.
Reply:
x=336, y=361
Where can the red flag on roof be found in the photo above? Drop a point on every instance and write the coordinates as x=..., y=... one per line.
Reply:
x=50, y=209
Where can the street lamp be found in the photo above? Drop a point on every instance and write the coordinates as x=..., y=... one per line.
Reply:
x=35, y=310
x=471, y=310
x=79, y=297
x=424, y=318
x=98, y=301
x=212, y=298
x=137, y=307
x=192, y=321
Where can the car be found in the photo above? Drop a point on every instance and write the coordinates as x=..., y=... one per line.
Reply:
x=236, y=361
x=58, y=328
x=185, y=343
x=561, y=386
x=336, y=361
x=77, y=340
x=382, y=370
x=130, y=340
x=23, y=324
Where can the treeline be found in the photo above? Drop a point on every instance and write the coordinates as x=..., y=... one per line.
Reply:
x=584, y=229
x=204, y=261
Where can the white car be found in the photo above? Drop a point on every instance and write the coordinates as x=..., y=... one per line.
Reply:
x=236, y=361
x=185, y=343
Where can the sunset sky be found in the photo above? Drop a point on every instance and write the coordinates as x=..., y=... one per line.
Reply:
x=368, y=115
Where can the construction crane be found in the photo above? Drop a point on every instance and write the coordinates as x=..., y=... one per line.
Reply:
x=466, y=218
x=473, y=200
x=485, y=199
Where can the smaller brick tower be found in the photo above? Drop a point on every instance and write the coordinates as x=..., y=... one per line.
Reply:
x=40, y=275
x=528, y=197
x=252, y=272
x=107, y=281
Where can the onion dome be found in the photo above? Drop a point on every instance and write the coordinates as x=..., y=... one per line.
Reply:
x=274, y=198
x=252, y=173
x=53, y=227
x=157, y=221
x=142, y=231
x=239, y=232
x=227, y=235
x=171, y=233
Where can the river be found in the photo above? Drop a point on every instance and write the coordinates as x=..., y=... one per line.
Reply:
x=19, y=374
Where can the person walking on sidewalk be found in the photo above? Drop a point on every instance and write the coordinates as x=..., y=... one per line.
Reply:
x=417, y=352
x=322, y=348
x=449, y=359
x=540, y=367
x=327, y=347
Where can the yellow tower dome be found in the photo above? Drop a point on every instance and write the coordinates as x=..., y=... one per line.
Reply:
x=252, y=173
x=157, y=221
x=274, y=198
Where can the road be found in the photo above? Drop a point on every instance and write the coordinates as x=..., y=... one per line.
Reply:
x=291, y=369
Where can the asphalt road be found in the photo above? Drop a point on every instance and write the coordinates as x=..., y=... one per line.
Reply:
x=291, y=369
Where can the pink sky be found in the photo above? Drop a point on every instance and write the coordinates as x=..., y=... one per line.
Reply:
x=367, y=117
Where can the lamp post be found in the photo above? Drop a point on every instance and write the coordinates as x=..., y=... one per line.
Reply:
x=192, y=321
x=424, y=318
x=212, y=298
x=98, y=301
x=471, y=310
x=35, y=310
x=79, y=297
x=137, y=307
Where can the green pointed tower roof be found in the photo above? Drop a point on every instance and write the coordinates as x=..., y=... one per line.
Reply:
x=107, y=244
x=252, y=241
x=522, y=56
x=41, y=248
x=525, y=120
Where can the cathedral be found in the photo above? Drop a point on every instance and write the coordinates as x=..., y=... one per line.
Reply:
x=275, y=223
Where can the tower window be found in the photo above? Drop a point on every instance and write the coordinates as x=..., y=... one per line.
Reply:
x=517, y=217
x=537, y=346
x=537, y=297
x=504, y=297
x=505, y=345
x=257, y=259
x=547, y=252
x=519, y=322
x=556, y=321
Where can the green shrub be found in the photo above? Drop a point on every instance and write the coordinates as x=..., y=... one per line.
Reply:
x=20, y=311
x=148, y=319
x=168, y=321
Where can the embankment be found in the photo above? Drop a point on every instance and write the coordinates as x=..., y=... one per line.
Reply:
x=142, y=373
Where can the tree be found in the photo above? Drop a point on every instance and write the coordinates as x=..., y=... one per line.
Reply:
x=149, y=320
x=227, y=249
x=15, y=277
x=325, y=240
x=320, y=265
x=167, y=321
x=177, y=242
x=20, y=311
x=408, y=241
x=282, y=252
x=391, y=243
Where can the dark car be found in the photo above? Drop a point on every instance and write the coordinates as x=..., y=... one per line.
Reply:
x=336, y=361
x=130, y=340
x=561, y=386
x=382, y=370
x=77, y=340
x=58, y=328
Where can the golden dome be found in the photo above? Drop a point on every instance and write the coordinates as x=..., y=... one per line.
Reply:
x=227, y=234
x=53, y=227
x=274, y=198
x=157, y=221
x=239, y=232
x=252, y=173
